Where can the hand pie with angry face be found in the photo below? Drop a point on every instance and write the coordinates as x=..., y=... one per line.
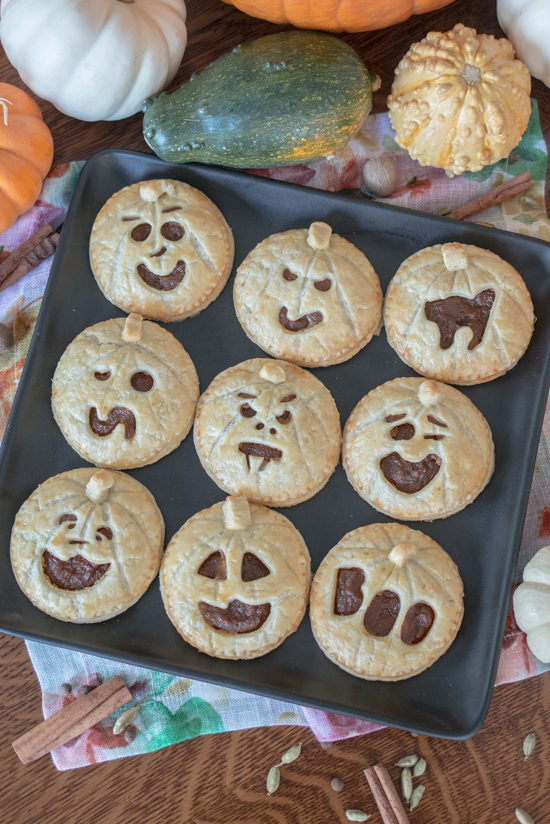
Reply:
x=386, y=602
x=86, y=544
x=161, y=248
x=235, y=579
x=268, y=430
x=458, y=313
x=308, y=297
x=417, y=449
x=124, y=393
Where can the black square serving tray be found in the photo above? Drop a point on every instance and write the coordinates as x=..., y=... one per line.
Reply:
x=451, y=698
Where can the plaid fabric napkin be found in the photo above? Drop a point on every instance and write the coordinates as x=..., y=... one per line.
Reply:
x=172, y=709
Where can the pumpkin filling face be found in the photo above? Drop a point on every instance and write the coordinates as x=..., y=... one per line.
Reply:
x=260, y=449
x=169, y=230
x=237, y=618
x=454, y=312
x=410, y=476
x=77, y=572
x=310, y=319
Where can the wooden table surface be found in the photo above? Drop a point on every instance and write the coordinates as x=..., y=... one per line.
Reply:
x=221, y=778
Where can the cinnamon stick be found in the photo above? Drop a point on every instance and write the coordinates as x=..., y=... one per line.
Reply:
x=10, y=263
x=43, y=250
x=385, y=795
x=515, y=186
x=72, y=720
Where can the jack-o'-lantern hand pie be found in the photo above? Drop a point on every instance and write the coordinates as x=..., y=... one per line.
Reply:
x=161, y=248
x=86, y=544
x=417, y=449
x=386, y=602
x=268, y=430
x=124, y=393
x=458, y=313
x=308, y=296
x=235, y=579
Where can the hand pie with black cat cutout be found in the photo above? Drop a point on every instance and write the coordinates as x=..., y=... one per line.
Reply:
x=386, y=602
x=86, y=544
x=235, y=579
x=458, y=313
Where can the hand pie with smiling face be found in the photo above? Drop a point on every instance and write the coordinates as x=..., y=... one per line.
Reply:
x=235, y=579
x=417, y=449
x=268, y=430
x=124, y=393
x=458, y=313
x=86, y=544
x=308, y=296
x=161, y=248
x=386, y=602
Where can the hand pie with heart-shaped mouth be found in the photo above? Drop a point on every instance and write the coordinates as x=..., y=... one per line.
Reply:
x=308, y=296
x=161, y=248
x=268, y=430
x=86, y=544
x=235, y=579
x=458, y=313
x=124, y=393
x=417, y=449
x=386, y=602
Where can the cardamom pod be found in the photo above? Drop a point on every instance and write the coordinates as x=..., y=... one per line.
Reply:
x=406, y=783
x=523, y=817
x=419, y=768
x=416, y=796
x=291, y=754
x=529, y=745
x=273, y=779
x=356, y=815
x=125, y=720
x=407, y=761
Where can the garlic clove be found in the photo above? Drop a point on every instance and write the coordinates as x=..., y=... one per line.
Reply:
x=531, y=605
x=380, y=176
x=538, y=568
x=538, y=641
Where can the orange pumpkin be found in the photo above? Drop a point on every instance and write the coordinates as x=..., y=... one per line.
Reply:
x=337, y=15
x=26, y=153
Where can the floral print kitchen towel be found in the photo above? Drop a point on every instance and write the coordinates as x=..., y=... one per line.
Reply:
x=170, y=708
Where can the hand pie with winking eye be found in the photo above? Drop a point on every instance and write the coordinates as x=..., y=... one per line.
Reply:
x=235, y=579
x=417, y=449
x=161, y=248
x=386, y=602
x=124, y=393
x=308, y=296
x=86, y=544
x=268, y=430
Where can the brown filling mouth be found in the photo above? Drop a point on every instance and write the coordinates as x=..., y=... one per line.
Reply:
x=75, y=573
x=260, y=450
x=407, y=476
x=237, y=618
x=118, y=414
x=300, y=324
x=162, y=283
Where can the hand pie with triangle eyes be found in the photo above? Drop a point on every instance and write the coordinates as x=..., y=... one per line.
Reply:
x=308, y=296
x=235, y=579
x=386, y=602
x=268, y=430
x=417, y=449
x=86, y=544
x=161, y=248
x=458, y=313
x=124, y=393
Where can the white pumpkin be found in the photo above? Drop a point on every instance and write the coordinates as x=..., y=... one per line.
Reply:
x=532, y=604
x=527, y=26
x=95, y=60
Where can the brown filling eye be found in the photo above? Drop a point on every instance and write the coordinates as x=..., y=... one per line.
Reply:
x=403, y=432
x=323, y=285
x=141, y=232
x=214, y=567
x=382, y=613
x=69, y=517
x=142, y=381
x=417, y=623
x=104, y=530
x=285, y=417
x=252, y=568
x=172, y=230
x=245, y=395
x=437, y=423
x=288, y=275
x=288, y=398
x=102, y=376
x=392, y=418
x=247, y=411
